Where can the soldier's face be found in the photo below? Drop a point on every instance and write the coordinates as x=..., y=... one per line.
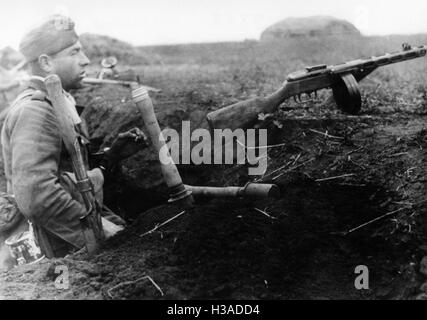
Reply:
x=70, y=65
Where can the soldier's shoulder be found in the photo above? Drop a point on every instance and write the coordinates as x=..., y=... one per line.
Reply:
x=29, y=102
x=38, y=95
x=30, y=97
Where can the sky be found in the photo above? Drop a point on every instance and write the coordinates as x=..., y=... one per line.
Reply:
x=144, y=22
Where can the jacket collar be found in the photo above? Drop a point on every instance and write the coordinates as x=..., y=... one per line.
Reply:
x=37, y=83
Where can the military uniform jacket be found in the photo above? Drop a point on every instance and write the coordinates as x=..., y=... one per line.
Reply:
x=35, y=160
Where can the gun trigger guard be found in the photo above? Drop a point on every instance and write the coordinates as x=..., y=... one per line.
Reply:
x=298, y=98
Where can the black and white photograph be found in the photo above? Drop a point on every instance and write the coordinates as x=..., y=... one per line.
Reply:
x=228, y=152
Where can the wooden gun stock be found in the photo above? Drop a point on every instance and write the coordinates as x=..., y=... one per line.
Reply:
x=244, y=114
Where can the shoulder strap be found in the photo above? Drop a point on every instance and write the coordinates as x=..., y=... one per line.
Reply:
x=39, y=96
x=31, y=94
x=28, y=93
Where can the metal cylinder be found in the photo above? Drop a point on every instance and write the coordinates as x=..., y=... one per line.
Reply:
x=346, y=94
x=261, y=190
x=170, y=173
x=251, y=190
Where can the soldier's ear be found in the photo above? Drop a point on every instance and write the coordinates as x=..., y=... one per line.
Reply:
x=45, y=63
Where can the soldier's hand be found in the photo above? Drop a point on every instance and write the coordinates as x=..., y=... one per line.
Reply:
x=127, y=144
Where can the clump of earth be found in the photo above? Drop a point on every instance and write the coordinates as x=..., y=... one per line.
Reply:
x=336, y=174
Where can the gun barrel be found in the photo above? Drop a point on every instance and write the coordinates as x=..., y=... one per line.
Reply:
x=379, y=61
x=108, y=81
x=354, y=65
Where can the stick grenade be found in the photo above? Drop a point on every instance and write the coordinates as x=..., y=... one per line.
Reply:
x=251, y=190
x=91, y=222
x=170, y=173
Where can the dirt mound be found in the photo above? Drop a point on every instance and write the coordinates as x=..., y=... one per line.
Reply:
x=289, y=248
x=315, y=26
x=98, y=47
x=335, y=173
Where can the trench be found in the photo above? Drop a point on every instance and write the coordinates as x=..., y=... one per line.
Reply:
x=223, y=249
x=286, y=248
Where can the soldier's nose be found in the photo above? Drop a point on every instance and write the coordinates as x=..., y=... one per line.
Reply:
x=85, y=61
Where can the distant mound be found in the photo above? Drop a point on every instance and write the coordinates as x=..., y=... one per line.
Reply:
x=315, y=26
x=9, y=57
x=98, y=47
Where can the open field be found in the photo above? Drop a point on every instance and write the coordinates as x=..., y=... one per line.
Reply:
x=227, y=249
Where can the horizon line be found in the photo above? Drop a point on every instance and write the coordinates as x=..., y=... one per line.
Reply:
x=227, y=41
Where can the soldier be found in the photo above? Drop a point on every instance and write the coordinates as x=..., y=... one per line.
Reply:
x=37, y=166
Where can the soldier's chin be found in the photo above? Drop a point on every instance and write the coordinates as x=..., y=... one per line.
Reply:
x=77, y=84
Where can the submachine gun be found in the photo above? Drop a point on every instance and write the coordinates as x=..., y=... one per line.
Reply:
x=342, y=78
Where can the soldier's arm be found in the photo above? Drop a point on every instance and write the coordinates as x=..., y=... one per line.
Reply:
x=36, y=145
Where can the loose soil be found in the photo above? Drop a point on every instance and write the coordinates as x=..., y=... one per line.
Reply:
x=335, y=172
